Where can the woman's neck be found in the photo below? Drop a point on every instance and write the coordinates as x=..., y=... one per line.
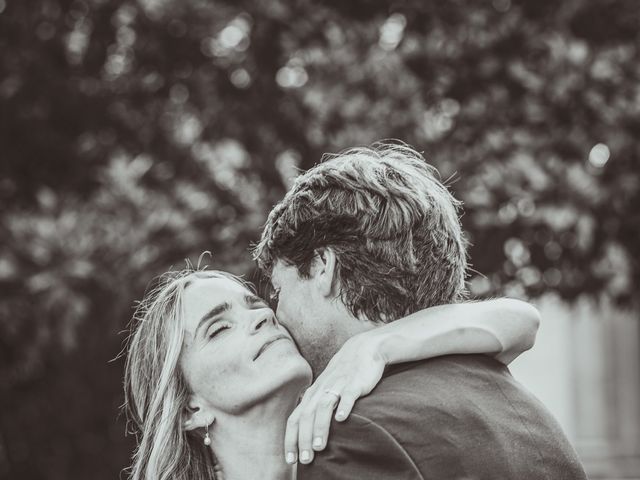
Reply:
x=251, y=445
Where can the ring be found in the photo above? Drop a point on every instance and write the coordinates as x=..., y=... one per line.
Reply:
x=332, y=393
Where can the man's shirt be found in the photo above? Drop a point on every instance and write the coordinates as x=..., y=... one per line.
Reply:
x=454, y=417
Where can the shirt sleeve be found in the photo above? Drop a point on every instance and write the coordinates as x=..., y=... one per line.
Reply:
x=360, y=448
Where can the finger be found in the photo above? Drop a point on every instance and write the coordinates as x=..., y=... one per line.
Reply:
x=309, y=392
x=292, y=434
x=347, y=400
x=322, y=421
x=291, y=438
x=305, y=432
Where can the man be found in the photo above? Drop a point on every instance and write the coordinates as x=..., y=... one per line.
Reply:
x=362, y=239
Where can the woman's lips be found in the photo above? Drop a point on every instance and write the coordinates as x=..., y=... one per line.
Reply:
x=268, y=343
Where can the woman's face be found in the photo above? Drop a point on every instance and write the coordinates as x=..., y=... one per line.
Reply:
x=235, y=354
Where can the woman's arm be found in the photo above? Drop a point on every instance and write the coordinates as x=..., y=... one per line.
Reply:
x=503, y=328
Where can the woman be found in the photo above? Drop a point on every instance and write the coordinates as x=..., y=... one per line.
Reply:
x=211, y=376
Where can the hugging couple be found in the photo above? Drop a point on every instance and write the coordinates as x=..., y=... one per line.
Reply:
x=367, y=260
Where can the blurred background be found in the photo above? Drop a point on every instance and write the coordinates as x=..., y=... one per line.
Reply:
x=137, y=134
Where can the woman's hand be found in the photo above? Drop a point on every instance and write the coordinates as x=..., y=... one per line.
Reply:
x=352, y=373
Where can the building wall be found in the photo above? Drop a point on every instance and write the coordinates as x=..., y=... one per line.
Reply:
x=585, y=368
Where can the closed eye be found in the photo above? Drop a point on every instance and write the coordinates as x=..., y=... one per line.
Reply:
x=218, y=328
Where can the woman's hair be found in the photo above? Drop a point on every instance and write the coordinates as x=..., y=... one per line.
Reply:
x=391, y=222
x=156, y=392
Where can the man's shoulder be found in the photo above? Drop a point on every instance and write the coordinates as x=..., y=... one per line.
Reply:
x=360, y=447
x=409, y=421
x=450, y=417
x=434, y=369
x=447, y=380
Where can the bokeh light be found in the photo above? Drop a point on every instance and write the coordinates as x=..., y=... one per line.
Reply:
x=599, y=155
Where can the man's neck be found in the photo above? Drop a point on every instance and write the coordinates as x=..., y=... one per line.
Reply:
x=251, y=445
x=341, y=326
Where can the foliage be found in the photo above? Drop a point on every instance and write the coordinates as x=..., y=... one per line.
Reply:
x=137, y=134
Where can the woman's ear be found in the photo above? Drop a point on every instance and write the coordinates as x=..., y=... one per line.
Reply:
x=195, y=416
x=326, y=271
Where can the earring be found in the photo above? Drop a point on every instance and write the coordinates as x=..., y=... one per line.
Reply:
x=207, y=439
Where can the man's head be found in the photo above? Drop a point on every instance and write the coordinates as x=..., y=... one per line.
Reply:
x=365, y=237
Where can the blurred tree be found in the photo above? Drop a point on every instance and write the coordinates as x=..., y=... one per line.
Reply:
x=134, y=134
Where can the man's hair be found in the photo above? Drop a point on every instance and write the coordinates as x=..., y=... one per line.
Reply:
x=392, y=224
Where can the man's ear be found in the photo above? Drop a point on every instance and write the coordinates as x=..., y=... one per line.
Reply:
x=326, y=271
x=195, y=416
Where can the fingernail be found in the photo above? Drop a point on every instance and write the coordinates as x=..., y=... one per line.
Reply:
x=317, y=442
x=291, y=457
x=340, y=414
x=304, y=455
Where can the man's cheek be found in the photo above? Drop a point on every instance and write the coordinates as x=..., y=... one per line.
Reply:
x=286, y=313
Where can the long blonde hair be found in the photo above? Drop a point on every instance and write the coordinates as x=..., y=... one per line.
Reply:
x=156, y=392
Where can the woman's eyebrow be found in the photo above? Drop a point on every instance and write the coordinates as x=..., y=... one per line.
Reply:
x=214, y=312
x=252, y=300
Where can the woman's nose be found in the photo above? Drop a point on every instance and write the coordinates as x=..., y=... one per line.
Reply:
x=263, y=318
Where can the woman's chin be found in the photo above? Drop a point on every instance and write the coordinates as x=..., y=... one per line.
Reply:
x=295, y=372
x=283, y=373
x=297, y=383
x=284, y=359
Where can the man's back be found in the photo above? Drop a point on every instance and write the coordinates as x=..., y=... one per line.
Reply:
x=454, y=417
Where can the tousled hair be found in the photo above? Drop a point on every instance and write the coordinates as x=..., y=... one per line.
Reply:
x=392, y=224
x=156, y=393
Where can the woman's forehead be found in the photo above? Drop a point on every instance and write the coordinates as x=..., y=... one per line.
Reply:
x=212, y=285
